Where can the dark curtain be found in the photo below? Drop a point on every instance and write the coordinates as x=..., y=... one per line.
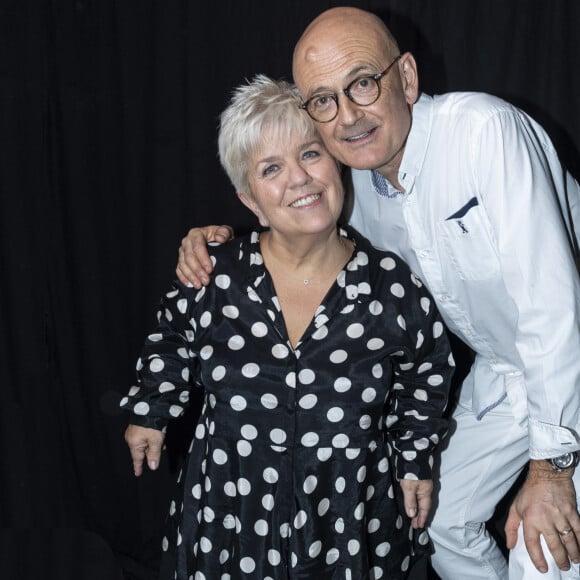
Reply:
x=107, y=156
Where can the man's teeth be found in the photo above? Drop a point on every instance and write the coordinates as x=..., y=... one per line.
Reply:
x=357, y=137
x=306, y=200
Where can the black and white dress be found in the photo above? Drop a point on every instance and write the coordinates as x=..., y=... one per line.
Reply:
x=293, y=467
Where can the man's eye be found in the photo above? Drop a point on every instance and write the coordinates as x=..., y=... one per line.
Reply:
x=363, y=85
x=321, y=102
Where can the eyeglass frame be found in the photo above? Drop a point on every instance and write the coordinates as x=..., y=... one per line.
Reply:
x=334, y=96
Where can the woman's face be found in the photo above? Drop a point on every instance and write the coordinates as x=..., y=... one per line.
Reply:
x=295, y=185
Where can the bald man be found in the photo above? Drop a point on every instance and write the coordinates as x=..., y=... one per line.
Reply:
x=470, y=192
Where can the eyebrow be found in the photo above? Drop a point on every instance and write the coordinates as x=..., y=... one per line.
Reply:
x=352, y=75
x=302, y=148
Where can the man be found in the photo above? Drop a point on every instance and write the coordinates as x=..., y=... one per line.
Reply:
x=469, y=190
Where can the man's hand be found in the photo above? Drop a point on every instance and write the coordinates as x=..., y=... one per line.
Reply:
x=417, y=500
x=546, y=505
x=144, y=443
x=194, y=265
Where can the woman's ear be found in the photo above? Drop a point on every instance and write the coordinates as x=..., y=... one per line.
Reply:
x=249, y=202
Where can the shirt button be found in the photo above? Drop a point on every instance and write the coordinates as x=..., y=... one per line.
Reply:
x=424, y=253
x=443, y=297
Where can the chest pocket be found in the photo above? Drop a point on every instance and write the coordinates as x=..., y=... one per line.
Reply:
x=469, y=243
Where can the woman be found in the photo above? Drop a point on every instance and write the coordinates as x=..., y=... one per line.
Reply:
x=325, y=371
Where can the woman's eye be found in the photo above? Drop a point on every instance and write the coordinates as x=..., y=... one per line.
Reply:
x=311, y=154
x=270, y=170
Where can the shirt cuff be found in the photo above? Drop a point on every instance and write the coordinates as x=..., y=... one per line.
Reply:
x=548, y=441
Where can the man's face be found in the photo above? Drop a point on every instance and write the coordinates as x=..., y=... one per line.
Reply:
x=363, y=137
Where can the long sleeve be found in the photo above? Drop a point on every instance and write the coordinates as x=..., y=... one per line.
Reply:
x=423, y=371
x=166, y=367
x=520, y=178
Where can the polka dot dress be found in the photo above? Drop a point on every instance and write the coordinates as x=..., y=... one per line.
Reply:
x=293, y=465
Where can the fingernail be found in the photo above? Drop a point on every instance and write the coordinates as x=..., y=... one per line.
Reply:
x=189, y=285
x=153, y=465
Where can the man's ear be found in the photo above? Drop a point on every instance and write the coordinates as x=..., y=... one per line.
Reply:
x=409, y=77
x=249, y=202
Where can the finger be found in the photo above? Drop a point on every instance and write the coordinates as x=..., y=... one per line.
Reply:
x=570, y=543
x=223, y=234
x=511, y=528
x=557, y=549
x=424, y=506
x=185, y=275
x=153, y=453
x=534, y=548
x=409, y=489
x=138, y=456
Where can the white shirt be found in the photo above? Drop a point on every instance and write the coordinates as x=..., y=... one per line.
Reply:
x=481, y=224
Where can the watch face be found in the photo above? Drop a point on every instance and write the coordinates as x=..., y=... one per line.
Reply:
x=564, y=461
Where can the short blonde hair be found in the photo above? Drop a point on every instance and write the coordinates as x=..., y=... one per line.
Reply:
x=260, y=106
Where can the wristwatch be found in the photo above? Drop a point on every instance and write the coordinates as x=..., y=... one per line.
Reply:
x=566, y=461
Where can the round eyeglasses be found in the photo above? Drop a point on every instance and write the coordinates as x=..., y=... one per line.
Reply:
x=363, y=91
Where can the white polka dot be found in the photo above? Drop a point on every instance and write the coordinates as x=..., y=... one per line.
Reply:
x=435, y=380
x=250, y=370
x=361, y=474
x=244, y=448
x=269, y=401
x=280, y=351
x=397, y=290
x=375, y=344
x=340, y=441
x=310, y=484
x=353, y=547
x=306, y=376
x=375, y=308
x=291, y=380
x=388, y=264
x=206, y=352
x=359, y=511
x=285, y=530
x=261, y=527
x=437, y=329
x=238, y=403
x=314, y=549
x=156, y=365
x=342, y=385
x=340, y=484
x=323, y=506
x=377, y=371
x=236, y=342
x=274, y=557
x=156, y=337
x=369, y=395
x=278, y=436
x=332, y=556
x=259, y=329
x=229, y=522
x=224, y=556
x=376, y=573
x=230, y=311
x=218, y=373
x=222, y=281
x=310, y=439
x=268, y=502
x=338, y=356
x=383, y=465
x=383, y=549
x=141, y=408
x=247, y=565
x=166, y=387
x=196, y=491
x=205, y=545
x=308, y=401
x=270, y=475
x=205, y=319
x=244, y=486
x=230, y=489
x=365, y=421
x=320, y=333
x=355, y=330
x=175, y=410
x=219, y=456
x=335, y=414
x=249, y=432
x=370, y=492
x=300, y=519
x=200, y=431
x=339, y=526
x=324, y=453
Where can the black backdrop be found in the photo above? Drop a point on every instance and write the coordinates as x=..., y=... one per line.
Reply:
x=108, y=111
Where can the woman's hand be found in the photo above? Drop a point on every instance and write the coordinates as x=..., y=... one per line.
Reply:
x=144, y=443
x=417, y=500
x=194, y=265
